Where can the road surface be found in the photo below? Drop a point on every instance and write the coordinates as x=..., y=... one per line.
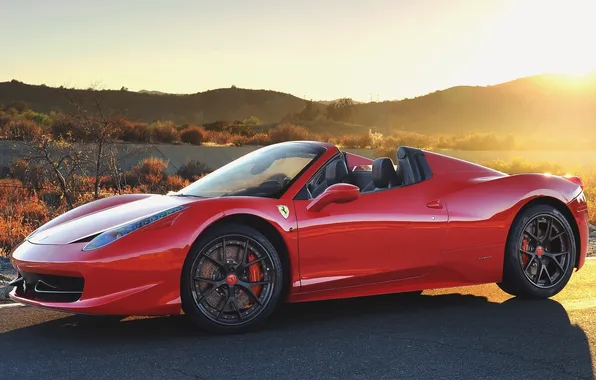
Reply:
x=464, y=333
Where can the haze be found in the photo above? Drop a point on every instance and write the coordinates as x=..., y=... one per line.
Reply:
x=383, y=49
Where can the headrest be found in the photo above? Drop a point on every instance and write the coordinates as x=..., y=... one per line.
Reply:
x=383, y=173
x=336, y=172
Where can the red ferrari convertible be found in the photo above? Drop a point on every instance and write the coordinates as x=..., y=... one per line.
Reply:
x=304, y=221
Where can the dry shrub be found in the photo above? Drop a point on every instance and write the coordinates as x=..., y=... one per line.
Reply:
x=362, y=141
x=288, y=132
x=216, y=126
x=4, y=120
x=12, y=232
x=22, y=130
x=164, y=132
x=175, y=183
x=20, y=213
x=150, y=173
x=51, y=197
x=326, y=137
x=137, y=133
x=218, y=138
x=33, y=211
x=258, y=139
x=193, y=170
x=12, y=191
x=239, y=140
x=29, y=174
x=387, y=146
x=67, y=129
x=239, y=128
x=192, y=135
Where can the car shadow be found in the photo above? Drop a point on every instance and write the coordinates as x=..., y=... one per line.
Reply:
x=394, y=336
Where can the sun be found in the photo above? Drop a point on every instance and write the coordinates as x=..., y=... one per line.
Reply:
x=538, y=36
x=581, y=72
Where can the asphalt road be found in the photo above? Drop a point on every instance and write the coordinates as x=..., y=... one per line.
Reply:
x=464, y=333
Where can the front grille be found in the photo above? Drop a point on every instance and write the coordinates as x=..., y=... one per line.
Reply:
x=48, y=288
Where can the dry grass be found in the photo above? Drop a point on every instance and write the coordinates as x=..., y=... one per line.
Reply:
x=237, y=133
x=23, y=209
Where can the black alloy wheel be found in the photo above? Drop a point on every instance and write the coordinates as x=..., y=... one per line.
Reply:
x=545, y=250
x=232, y=281
x=540, y=253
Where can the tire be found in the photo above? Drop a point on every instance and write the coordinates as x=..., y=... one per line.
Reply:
x=538, y=266
x=219, y=294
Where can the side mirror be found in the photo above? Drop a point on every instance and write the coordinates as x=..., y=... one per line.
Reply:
x=338, y=193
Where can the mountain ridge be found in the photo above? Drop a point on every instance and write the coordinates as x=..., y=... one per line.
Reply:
x=549, y=103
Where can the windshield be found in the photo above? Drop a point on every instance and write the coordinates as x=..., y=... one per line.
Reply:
x=266, y=172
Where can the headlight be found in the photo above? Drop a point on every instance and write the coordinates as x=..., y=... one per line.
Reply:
x=116, y=233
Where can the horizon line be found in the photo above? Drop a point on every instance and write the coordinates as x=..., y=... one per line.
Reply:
x=161, y=93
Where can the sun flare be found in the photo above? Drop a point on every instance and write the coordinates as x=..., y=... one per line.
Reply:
x=543, y=37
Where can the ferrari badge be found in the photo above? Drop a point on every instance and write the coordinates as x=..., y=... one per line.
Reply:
x=284, y=211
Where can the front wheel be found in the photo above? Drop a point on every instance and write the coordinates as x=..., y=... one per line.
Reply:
x=232, y=280
x=540, y=253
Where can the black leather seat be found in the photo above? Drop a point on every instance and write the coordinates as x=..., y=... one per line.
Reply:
x=335, y=172
x=413, y=165
x=384, y=175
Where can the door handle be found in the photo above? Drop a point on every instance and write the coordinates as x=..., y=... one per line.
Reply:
x=435, y=204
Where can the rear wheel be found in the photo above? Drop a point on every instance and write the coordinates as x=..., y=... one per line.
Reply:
x=232, y=280
x=540, y=253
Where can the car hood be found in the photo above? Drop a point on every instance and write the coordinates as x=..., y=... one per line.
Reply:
x=99, y=221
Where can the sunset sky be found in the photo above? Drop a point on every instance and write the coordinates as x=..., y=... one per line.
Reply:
x=322, y=49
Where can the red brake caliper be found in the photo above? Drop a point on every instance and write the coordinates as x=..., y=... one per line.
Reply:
x=255, y=274
x=524, y=247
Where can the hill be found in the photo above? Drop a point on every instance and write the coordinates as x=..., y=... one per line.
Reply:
x=544, y=104
x=220, y=104
x=550, y=104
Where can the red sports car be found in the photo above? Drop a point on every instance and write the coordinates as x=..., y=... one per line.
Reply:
x=304, y=221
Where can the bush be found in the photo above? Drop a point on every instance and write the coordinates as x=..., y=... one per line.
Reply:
x=219, y=138
x=150, y=172
x=193, y=170
x=288, y=132
x=137, y=133
x=39, y=118
x=240, y=128
x=361, y=142
x=29, y=174
x=32, y=211
x=176, y=183
x=164, y=132
x=239, y=140
x=192, y=135
x=12, y=191
x=216, y=126
x=63, y=128
x=22, y=130
x=12, y=232
x=259, y=139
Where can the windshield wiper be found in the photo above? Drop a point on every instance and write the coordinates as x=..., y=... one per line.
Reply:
x=185, y=195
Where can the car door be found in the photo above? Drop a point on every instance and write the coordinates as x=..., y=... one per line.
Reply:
x=387, y=235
